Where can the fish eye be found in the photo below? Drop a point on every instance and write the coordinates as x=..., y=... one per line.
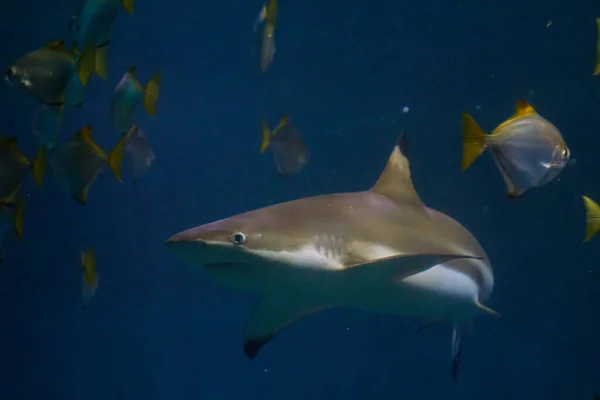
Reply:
x=565, y=154
x=238, y=238
x=11, y=72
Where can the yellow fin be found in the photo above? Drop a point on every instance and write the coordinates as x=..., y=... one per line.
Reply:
x=101, y=62
x=592, y=218
x=18, y=219
x=597, y=69
x=115, y=158
x=523, y=108
x=282, y=122
x=11, y=199
x=128, y=6
x=271, y=12
x=39, y=166
x=85, y=134
x=266, y=136
x=473, y=140
x=151, y=92
x=86, y=65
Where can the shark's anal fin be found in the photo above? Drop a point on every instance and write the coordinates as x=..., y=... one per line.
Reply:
x=395, y=182
x=274, y=313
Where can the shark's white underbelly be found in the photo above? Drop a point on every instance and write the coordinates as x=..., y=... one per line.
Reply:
x=438, y=292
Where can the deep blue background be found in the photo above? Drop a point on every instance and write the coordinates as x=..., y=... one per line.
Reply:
x=342, y=72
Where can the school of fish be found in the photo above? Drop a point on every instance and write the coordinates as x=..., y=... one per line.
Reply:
x=381, y=249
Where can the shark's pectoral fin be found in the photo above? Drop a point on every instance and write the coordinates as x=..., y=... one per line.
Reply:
x=396, y=268
x=275, y=312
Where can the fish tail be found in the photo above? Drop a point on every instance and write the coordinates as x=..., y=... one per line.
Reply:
x=151, y=92
x=39, y=166
x=115, y=158
x=101, y=62
x=473, y=140
x=592, y=218
x=597, y=69
x=18, y=218
x=266, y=135
x=86, y=65
x=128, y=6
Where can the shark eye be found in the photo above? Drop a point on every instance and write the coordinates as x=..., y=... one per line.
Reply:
x=238, y=238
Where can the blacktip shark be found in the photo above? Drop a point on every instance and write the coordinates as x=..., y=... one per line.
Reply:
x=379, y=250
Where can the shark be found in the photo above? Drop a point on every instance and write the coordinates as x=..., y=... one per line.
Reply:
x=380, y=250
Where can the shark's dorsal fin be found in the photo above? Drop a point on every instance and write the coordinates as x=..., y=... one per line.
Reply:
x=395, y=182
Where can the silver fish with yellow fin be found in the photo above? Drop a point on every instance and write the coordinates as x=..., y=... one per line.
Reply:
x=268, y=16
x=8, y=221
x=381, y=250
x=89, y=276
x=528, y=150
x=14, y=167
x=79, y=161
x=138, y=147
x=128, y=94
x=92, y=24
x=51, y=74
x=286, y=144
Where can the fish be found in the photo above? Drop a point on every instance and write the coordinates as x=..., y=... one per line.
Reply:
x=597, y=68
x=53, y=75
x=138, y=147
x=268, y=16
x=592, y=218
x=92, y=24
x=289, y=152
x=79, y=161
x=528, y=150
x=128, y=93
x=46, y=125
x=380, y=250
x=8, y=221
x=14, y=166
x=89, y=277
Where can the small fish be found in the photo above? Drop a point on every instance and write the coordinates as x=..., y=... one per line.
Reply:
x=89, y=276
x=592, y=218
x=267, y=49
x=287, y=146
x=128, y=93
x=92, y=24
x=138, y=147
x=51, y=74
x=47, y=125
x=528, y=149
x=597, y=68
x=80, y=160
x=14, y=167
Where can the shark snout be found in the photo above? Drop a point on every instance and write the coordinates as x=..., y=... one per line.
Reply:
x=186, y=247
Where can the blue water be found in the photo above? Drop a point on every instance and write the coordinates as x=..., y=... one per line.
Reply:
x=343, y=71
